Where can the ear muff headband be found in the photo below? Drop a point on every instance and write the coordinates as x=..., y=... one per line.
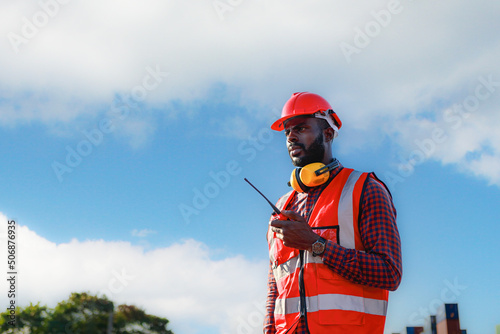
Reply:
x=311, y=175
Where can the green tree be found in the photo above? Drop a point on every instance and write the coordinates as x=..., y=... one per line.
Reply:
x=83, y=313
x=32, y=317
x=132, y=320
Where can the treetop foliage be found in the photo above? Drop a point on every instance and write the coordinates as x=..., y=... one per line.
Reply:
x=82, y=313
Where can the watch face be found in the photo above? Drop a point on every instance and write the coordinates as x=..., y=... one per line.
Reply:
x=318, y=247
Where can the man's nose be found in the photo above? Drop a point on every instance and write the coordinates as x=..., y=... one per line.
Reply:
x=291, y=136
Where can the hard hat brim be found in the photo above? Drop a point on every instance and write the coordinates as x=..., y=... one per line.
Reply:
x=279, y=125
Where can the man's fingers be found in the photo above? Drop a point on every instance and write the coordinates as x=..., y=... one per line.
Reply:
x=292, y=215
x=277, y=230
x=278, y=223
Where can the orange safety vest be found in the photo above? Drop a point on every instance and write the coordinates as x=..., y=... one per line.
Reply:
x=307, y=287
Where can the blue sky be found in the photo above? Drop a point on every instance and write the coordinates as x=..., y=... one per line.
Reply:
x=126, y=133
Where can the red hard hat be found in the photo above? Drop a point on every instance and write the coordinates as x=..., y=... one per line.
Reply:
x=306, y=104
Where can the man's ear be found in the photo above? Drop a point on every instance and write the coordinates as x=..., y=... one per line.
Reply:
x=329, y=134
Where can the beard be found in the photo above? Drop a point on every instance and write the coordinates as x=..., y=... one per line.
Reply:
x=314, y=153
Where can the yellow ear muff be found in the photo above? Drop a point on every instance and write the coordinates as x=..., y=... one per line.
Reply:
x=304, y=178
x=308, y=175
x=295, y=182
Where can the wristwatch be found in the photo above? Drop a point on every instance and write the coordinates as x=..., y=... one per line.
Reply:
x=318, y=247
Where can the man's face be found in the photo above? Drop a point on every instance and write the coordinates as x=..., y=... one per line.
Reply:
x=305, y=141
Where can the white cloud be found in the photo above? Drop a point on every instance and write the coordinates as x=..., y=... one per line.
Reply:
x=180, y=282
x=487, y=165
x=463, y=132
x=423, y=57
x=95, y=48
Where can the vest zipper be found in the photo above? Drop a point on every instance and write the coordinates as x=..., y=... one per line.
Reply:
x=302, y=290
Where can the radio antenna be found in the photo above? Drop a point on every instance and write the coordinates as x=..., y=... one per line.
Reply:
x=268, y=201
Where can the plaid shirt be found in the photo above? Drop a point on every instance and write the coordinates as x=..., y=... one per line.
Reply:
x=380, y=266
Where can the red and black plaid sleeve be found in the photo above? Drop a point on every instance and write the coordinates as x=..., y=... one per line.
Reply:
x=381, y=265
x=272, y=294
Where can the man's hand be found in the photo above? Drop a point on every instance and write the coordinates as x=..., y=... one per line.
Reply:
x=295, y=233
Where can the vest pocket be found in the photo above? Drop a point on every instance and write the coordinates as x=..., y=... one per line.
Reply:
x=340, y=302
x=341, y=317
x=328, y=232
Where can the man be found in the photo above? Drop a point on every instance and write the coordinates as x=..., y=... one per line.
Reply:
x=335, y=249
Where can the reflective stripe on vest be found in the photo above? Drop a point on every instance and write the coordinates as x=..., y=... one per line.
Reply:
x=329, y=298
x=345, y=211
x=332, y=302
